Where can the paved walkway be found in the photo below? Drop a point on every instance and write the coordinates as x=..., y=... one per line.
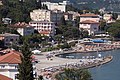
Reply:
x=54, y=61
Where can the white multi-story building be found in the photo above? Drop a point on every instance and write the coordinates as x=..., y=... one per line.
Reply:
x=59, y=6
x=40, y=15
x=24, y=29
x=89, y=22
x=9, y=39
x=9, y=63
x=91, y=26
x=46, y=15
x=44, y=27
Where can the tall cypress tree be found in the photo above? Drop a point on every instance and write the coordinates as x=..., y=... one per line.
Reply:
x=25, y=67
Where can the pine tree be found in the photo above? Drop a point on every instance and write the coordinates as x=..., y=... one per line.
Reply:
x=25, y=67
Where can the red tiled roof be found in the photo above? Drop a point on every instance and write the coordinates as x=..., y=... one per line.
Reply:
x=21, y=25
x=2, y=77
x=12, y=57
x=88, y=14
x=90, y=22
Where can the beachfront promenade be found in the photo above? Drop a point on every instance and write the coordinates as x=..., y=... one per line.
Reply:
x=49, y=67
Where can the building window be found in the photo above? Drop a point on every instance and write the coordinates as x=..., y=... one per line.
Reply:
x=95, y=28
x=6, y=39
x=84, y=25
x=11, y=39
x=16, y=67
x=2, y=67
x=16, y=76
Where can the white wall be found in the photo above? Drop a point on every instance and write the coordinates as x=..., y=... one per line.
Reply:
x=89, y=18
x=10, y=70
x=91, y=28
x=52, y=6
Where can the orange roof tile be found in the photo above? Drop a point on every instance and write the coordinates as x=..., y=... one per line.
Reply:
x=11, y=57
x=21, y=25
x=88, y=14
x=89, y=21
x=2, y=77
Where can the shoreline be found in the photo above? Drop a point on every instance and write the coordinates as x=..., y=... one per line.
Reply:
x=57, y=63
x=105, y=61
x=87, y=63
x=67, y=52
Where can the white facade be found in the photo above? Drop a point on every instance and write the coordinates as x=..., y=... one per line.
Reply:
x=23, y=28
x=9, y=39
x=25, y=31
x=40, y=15
x=53, y=6
x=9, y=63
x=9, y=70
x=46, y=15
x=89, y=22
x=89, y=16
x=90, y=27
x=44, y=27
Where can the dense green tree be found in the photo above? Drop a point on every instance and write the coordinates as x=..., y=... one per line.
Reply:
x=114, y=29
x=77, y=20
x=1, y=43
x=17, y=10
x=69, y=31
x=38, y=4
x=25, y=67
x=114, y=16
x=71, y=8
x=58, y=38
x=62, y=21
x=40, y=77
x=74, y=74
x=103, y=25
x=84, y=33
x=6, y=29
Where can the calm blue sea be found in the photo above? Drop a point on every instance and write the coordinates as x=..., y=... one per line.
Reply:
x=109, y=71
